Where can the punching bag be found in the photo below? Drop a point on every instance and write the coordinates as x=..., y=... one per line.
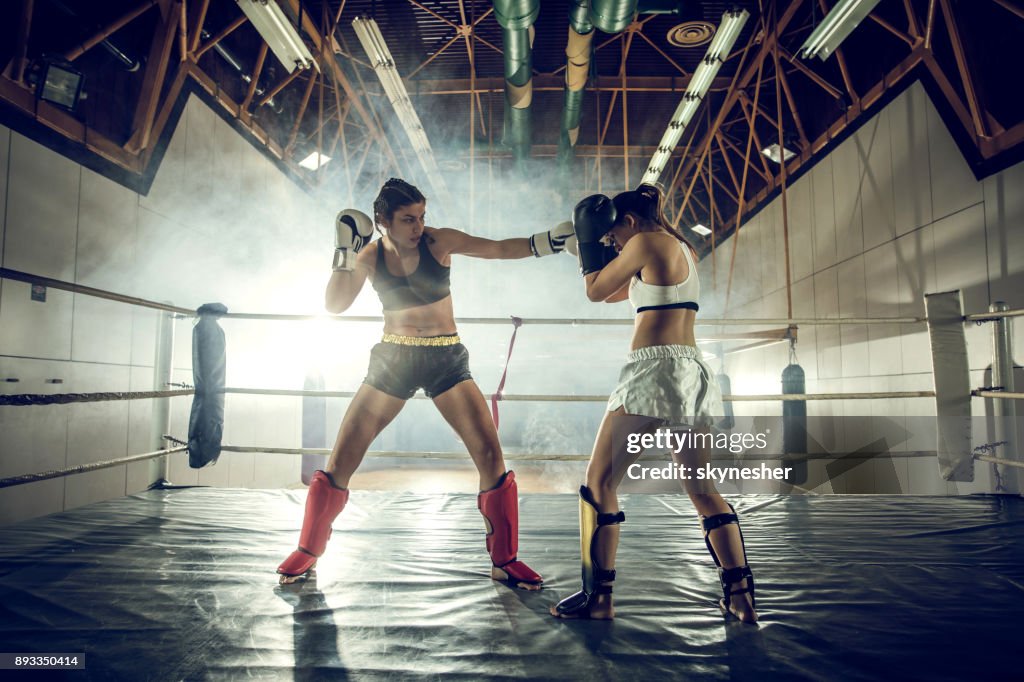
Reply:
x=314, y=425
x=729, y=419
x=209, y=365
x=794, y=420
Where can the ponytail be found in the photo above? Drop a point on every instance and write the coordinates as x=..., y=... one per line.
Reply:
x=645, y=202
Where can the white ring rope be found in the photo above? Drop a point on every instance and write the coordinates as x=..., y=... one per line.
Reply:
x=524, y=397
x=543, y=457
x=7, y=273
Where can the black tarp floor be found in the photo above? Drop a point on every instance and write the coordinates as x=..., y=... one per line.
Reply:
x=180, y=584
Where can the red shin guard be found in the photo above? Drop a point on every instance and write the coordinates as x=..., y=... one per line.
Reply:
x=500, y=508
x=323, y=504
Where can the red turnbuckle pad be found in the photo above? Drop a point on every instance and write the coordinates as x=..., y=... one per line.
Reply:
x=323, y=504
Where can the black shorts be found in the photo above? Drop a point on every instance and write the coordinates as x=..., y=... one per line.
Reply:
x=399, y=370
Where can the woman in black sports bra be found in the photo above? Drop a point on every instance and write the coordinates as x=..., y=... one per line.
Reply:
x=409, y=268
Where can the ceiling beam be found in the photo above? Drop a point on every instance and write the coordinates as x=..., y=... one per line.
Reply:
x=108, y=30
x=329, y=50
x=555, y=83
x=156, y=71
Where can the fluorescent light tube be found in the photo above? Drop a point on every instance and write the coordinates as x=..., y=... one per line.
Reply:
x=835, y=27
x=384, y=66
x=725, y=37
x=281, y=37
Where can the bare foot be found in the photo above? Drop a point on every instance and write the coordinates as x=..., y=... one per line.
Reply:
x=741, y=606
x=599, y=608
x=502, y=576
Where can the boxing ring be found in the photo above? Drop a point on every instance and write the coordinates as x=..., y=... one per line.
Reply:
x=178, y=582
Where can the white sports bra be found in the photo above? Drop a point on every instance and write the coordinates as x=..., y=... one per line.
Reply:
x=645, y=296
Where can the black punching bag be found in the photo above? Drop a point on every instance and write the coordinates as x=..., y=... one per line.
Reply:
x=794, y=421
x=728, y=419
x=314, y=425
x=209, y=365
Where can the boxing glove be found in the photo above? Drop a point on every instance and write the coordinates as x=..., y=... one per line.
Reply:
x=352, y=231
x=592, y=219
x=552, y=241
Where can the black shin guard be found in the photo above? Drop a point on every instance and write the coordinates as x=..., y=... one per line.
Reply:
x=737, y=574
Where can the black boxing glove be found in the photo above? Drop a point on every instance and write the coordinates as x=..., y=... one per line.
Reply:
x=592, y=219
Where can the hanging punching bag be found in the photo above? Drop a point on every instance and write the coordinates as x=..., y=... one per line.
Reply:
x=794, y=420
x=314, y=425
x=209, y=365
x=728, y=420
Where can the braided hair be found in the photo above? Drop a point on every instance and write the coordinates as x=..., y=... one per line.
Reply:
x=393, y=195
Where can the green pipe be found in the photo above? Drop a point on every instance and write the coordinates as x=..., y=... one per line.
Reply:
x=579, y=23
x=515, y=18
x=573, y=104
x=661, y=6
x=518, y=56
x=579, y=17
x=612, y=16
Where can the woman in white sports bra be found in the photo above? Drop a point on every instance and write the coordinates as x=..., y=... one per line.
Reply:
x=628, y=251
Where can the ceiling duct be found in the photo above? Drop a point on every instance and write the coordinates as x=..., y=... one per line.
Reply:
x=516, y=18
x=577, y=69
x=611, y=16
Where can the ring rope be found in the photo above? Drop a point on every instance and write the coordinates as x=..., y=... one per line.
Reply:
x=1000, y=460
x=26, y=399
x=82, y=468
x=524, y=457
x=992, y=316
x=32, y=399
x=524, y=397
x=1005, y=395
x=18, y=276
x=575, y=322
x=7, y=273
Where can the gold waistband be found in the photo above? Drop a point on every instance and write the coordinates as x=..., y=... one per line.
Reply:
x=449, y=340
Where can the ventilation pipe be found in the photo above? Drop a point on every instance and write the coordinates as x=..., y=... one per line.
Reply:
x=516, y=18
x=577, y=69
x=611, y=16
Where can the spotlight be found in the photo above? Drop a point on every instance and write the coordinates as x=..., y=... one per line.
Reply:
x=773, y=153
x=60, y=84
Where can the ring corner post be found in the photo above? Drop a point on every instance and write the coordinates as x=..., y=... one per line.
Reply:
x=160, y=422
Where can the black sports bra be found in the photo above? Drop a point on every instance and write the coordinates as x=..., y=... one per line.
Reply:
x=429, y=283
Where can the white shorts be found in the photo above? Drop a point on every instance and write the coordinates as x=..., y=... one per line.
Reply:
x=671, y=383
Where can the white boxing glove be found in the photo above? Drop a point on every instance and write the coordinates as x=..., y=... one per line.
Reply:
x=554, y=240
x=352, y=231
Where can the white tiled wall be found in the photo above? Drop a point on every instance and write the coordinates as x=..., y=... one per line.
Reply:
x=220, y=223
x=893, y=213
